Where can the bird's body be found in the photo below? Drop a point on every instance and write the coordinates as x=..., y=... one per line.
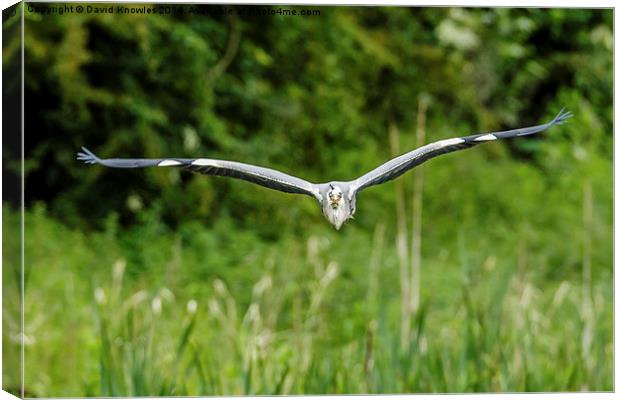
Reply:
x=339, y=205
x=337, y=198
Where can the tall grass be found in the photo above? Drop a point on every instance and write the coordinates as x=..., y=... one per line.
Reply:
x=416, y=210
x=587, y=310
x=502, y=337
x=136, y=357
x=410, y=259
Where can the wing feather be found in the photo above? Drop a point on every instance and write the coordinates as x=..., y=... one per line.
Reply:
x=399, y=165
x=266, y=177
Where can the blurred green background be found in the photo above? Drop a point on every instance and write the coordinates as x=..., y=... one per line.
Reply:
x=161, y=282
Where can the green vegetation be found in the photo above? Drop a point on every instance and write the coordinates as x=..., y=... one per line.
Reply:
x=159, y=282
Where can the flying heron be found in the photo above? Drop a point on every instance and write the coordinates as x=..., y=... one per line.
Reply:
x=336, y=198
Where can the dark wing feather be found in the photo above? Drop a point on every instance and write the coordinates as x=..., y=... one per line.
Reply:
x=266, y=177
x=399, y=165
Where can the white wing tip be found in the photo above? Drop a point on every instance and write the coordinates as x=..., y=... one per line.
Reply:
x=168, y=163
x=485, y=138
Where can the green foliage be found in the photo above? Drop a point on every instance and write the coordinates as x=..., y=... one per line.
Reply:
x=248, y=89
x=158, y=282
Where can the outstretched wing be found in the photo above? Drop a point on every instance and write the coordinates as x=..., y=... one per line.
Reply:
x=399, y=165
x=266, y=177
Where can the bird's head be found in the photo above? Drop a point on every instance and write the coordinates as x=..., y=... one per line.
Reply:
x=338, y=206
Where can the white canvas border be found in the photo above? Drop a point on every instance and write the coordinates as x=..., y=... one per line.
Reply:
x=470, y=3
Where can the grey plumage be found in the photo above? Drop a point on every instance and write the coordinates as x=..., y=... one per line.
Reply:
x=337, y=199
x=267, y=177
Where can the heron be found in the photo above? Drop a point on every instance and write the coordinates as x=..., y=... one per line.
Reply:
x=337, y=199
